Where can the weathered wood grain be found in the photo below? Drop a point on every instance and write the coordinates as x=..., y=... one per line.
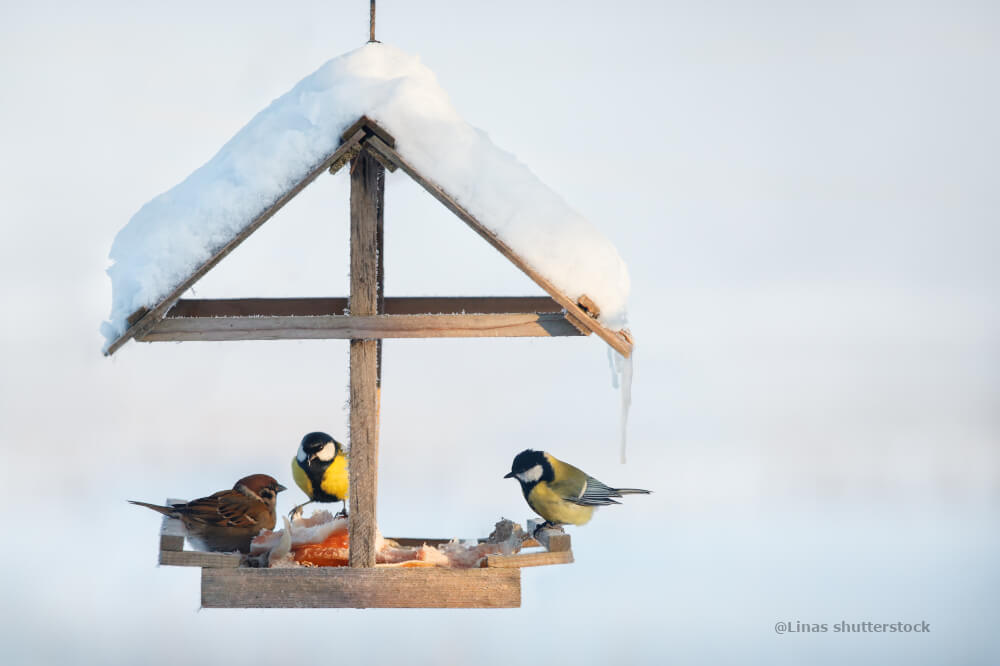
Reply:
x=364, y=403
x=587, y=304
x=400, y=305
x=553, y=540
x=344, y=327
x=386, y=163
x=199, y=558
x=153, y=315
x=371, y=128
x=521, y=560
x=346, y=157
x=617, y=341
x=344, y=587
x=172, y=532
x=380, y=275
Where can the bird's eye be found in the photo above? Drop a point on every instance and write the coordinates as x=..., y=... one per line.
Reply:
x=266, y=493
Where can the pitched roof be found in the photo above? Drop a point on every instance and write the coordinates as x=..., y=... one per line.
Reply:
x=180, y=235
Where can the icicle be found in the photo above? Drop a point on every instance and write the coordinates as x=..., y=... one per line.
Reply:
x=621, y=379
x=626, y=391
x=615, y=366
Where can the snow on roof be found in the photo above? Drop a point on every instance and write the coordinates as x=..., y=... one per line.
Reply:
x=175, y=233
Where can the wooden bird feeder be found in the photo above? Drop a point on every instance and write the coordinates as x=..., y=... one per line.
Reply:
x=372, y=317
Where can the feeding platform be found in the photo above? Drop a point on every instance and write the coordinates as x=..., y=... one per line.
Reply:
x=228, y=580
x=366, y=317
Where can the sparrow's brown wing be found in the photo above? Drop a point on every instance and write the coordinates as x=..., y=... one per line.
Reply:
x=226, y=508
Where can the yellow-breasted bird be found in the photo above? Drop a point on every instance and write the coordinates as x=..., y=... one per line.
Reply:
x=320, y=470
x=559, y=492
x=229, y=519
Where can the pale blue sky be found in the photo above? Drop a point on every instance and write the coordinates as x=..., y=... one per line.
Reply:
x=806, y=197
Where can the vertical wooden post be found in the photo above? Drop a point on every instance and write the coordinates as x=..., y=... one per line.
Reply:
x=380, y=248
x=367, y=189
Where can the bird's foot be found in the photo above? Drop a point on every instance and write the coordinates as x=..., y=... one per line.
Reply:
x=296, y=513
x=547, y=525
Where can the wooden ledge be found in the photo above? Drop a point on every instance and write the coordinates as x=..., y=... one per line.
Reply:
x=521, y=560
x=346, y=587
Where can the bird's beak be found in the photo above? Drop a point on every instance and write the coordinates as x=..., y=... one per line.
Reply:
x=281, y=487
x=508, y=475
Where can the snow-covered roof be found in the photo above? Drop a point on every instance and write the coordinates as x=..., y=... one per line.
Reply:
x=173, y=235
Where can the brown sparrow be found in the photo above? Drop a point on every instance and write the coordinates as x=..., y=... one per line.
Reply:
x=229, y=519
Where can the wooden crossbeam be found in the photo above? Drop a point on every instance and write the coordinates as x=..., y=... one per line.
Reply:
x=395, y=305
x=521, y=560
x=198, y=558
x=371, y=327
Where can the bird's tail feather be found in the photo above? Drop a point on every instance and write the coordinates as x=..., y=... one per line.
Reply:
x=632, y=491
x=165, y=510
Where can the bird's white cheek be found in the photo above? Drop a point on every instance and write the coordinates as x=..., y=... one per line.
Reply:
x=531, y=475
x=328, y=452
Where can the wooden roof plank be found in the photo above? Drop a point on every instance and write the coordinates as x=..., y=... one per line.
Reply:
x=366, y=133
x=370, y=127
x=151, y=317
x=613, y=338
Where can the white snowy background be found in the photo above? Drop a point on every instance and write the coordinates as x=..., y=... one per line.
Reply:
x=806, y=197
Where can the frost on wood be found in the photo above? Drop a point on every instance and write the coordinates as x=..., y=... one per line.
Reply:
x=172, y=235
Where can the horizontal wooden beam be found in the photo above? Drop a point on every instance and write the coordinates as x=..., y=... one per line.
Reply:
x=199, y=558
x=370, y=327
x=345, y=587
x=406, y=305
x=521, y=560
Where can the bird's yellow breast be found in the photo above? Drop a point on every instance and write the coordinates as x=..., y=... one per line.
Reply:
x=550, y=506
x=336, y=479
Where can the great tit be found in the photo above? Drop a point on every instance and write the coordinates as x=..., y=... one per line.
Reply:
x=559, y=492
x=320, y=470
x=229, y=519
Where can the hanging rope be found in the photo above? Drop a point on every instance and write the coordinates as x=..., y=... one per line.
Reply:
x=371, y=23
